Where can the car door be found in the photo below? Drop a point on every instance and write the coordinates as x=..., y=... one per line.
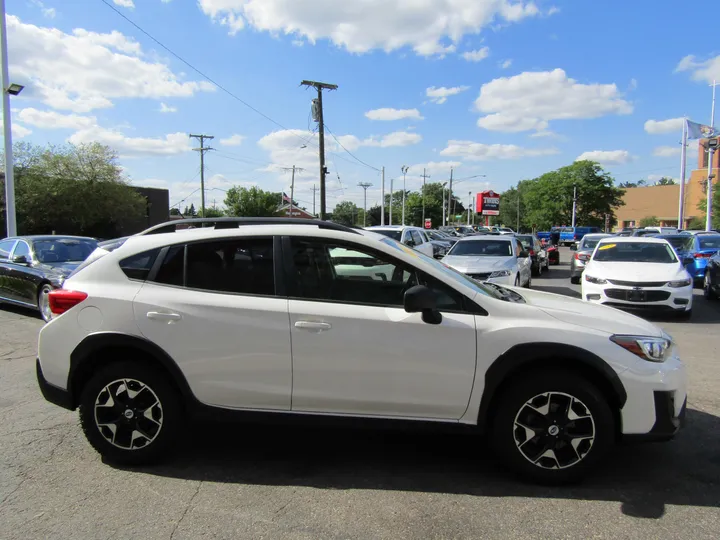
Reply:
x=216, y=308
x=355, y=349
x=24, y=277
x=524, y=263
x=6, y=288
x=425, y=247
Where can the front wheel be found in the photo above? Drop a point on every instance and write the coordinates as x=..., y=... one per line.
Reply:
x=552, y=427
x=43, y=301
x=130, y=413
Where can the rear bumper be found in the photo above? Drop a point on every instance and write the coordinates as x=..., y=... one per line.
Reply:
x=53, y=394
x=667, y=423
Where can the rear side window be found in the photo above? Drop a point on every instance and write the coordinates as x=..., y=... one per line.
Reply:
x=173, y=267
x=6, y=248
x=138, y=266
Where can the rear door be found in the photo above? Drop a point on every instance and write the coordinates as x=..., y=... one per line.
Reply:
x=6, y=287
x=426, y=247
x=217, y=309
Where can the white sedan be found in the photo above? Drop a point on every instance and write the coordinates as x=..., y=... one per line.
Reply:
x=638, y=273
x=497, y=259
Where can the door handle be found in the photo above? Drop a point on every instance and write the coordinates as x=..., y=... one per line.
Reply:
x=169, y=317
x=313, y=325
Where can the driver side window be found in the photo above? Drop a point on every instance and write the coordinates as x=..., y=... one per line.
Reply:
x=337, y=272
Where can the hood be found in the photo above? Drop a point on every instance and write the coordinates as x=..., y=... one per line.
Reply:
x=588, y=315
x=632, y=271
x=479, y=264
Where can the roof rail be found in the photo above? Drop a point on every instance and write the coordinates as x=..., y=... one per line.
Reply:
x=234, y=222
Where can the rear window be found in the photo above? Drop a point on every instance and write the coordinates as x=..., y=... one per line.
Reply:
x=489, y=248
x=395, y=235
x=139, y=266
x=710, y=242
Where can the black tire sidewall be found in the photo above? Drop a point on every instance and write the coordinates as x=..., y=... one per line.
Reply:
x=519, y=392
x=169, y=399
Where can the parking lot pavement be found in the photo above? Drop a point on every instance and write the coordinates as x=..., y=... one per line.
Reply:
x=240, y=481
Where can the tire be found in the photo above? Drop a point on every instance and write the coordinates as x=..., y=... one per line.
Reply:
x=517, y=280
x=575, y=280
x=158, y=414
x=529, y=282
x=685, y=315
x=593, y=425
x=708, y=291
x=43, y=302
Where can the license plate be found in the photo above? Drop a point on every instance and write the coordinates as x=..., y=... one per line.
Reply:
x=636, y=296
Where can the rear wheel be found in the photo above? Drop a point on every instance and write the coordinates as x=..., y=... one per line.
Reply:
x=43, y=301
x=517, y=280
x=552, y=427
x=575, y=280
x=130, y=413
x=708, y=291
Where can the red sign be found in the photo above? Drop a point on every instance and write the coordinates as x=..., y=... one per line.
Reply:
x=487, y=203
x=428, y=223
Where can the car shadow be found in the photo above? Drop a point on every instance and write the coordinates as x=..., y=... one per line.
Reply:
x=644, y=479
x=19, y=310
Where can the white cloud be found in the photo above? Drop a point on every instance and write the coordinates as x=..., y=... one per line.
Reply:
x=666, y=151
x=125, y=3
x=476, y=151
x=529, y=100
x=174, y=143
x=553, y=10
x=440, y=95
x=505, y=63
x=298, y=42
x=393, y=114
x=233, y=140
x=389, y=25
x=476, y=56
x=86, y=70
x=167, y=108
x=656, y=127
x=49, y=13
x=436, y=168
x=539, y=134
x=55, y=120
x=397, y=138
x=18, y=131
x=607, y=157
x=704, y=70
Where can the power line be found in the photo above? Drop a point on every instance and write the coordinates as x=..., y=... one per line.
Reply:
x=349, y=152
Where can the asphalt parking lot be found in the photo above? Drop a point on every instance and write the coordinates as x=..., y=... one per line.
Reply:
x=238, y=481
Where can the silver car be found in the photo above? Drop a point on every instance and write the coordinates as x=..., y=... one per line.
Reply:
x=583, y=251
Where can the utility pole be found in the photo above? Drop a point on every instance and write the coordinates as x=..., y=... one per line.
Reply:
x=712, y=146
x=424, y=177
x=574, y=203
x=292, y=185
x=391, y=194
x=8, y=89
x=382, y=199
x=443, y=202
x=314, y=189
x=202, y=151
x=365, y=186
x=517, y=212
x=404, y=170
x=319, y=86
x=469, y=205
x=450, y=196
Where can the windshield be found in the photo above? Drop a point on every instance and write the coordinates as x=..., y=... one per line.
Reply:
x=634, y=252
x=451, y=273
x=589, y=243
x=678, y=242
x=390, y=233
x=482, y=247
x=710, y=242
x=63, y=250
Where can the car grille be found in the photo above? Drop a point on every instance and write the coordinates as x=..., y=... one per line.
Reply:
x=637, y=283
x=480, y=277
x=652, y=308
x=637, y=295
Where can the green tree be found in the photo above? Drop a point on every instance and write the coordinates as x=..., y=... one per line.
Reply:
x=716, y=209
x=347, y=213
x=190, y=211
x=665, y=181
x=649, y=221
x=697, y=224
x=547, y=200
x=251, y=202
x=211, y=213
x=175, y=212
x=72, y=190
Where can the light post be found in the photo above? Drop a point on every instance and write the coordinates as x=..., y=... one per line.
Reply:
x=404, y=170
x=443, y=204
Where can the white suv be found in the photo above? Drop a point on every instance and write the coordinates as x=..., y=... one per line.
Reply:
x=413, y=237
x=306, y=317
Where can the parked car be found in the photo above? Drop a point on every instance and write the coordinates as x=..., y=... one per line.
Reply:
x=502, y=230
x=663, y=230
x=643, y=232
x=711, y=282
x=413, y=237
x=499, y=259
x=543, y=235
x=481, y=230
x=699, y=249
x=441, y=243
x=32, y=266
x=570, y=235
x=535, y=250
x=442, y=236
x=376, y=331
x=583, y=251
x=642, y=274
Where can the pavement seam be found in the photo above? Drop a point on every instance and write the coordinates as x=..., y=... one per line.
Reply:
x=187, y=509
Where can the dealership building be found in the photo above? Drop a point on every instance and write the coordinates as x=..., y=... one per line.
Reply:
x=662, y=202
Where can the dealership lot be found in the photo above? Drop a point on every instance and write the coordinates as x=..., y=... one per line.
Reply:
x=236, y=481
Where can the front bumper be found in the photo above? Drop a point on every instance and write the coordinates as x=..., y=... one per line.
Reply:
x=667, y=422
x=651, y=299
x=53, y=394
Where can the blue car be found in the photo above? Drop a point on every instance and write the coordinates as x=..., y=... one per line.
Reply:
x=570, y=235
x=696, y=250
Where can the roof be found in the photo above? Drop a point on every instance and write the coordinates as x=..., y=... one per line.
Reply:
x=634, y=240
x=45, y=237
x=481, y=237
x=391, y=227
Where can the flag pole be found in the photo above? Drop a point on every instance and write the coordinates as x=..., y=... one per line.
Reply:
x=683, y=164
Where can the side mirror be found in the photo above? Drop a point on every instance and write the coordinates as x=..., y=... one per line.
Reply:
x=20, y=259
x=573, y=247
x=421, y=299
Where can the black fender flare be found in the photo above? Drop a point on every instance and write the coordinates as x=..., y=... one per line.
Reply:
x=85, y=356
x=537, y=355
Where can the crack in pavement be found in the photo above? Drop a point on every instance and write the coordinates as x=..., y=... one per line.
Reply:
x=6, y=497
x=187, y=509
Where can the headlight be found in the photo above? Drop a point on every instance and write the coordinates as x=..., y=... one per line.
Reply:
x=595, y=280
x=500, y=273
x=679, y=283
x=648, y=348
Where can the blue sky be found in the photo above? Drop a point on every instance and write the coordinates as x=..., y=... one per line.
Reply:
x=502, y=88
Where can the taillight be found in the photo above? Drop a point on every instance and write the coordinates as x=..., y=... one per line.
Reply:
x=703, y=255
x=577, y=256
x=61, y=300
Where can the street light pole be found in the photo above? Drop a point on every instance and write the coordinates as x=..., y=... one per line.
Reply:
x=469, y=205
x=443, y=202
x=7, y=129
x=404, y=170
x=574, y=205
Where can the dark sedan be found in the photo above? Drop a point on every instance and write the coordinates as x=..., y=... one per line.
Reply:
x=32, y=266
x=711, y=283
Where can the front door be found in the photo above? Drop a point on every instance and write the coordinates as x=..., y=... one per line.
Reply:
x=214, y=310
x=356, y=350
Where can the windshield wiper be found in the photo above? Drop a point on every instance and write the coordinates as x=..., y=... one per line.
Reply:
x=506, y=294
